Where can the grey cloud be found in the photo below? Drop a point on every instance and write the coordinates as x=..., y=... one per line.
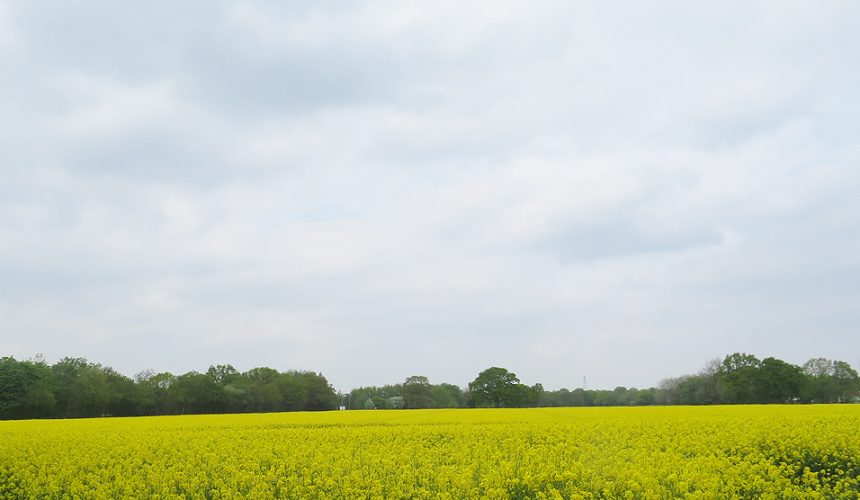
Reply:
x=374, y=190
x=151, y=155
x=619, y=238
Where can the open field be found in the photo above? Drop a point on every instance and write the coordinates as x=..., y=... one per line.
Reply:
x=662, y=452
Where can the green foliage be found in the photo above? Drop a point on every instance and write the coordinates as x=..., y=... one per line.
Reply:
x=778, y=381
x=498, y=387
x=26, y=389
x=736, y=378
x=223, y=374
x=829, y=381
x=417, y=392
x=74, y=387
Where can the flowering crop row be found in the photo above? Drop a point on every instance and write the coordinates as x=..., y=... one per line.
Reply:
x=695, y=452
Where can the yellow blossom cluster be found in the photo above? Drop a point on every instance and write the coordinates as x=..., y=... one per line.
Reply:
x=653, y=452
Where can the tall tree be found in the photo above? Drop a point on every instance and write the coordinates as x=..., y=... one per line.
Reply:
x=494, y=387
x=223, y=374
x=778, y=381
x=829, y=381
x=198, y=393
x=320, y=394
x=82, y=389
x=446, y=396
x=847, y=381
x=26, y=389
x=154, y=392
x=736, y=378
x=417, y=392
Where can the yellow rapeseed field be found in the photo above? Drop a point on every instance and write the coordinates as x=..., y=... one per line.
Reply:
x=668, y=452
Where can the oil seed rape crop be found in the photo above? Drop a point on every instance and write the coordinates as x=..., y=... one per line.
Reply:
x=670, y=452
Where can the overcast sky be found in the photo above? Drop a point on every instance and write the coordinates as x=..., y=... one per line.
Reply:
x=614, y=190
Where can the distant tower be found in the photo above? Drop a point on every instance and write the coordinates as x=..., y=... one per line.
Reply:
x=584, y=383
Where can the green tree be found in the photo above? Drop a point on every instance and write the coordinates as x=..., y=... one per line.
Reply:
x=561, y=397
x=417, y=392
x=646, y=397
x=294, y=392
x=261, y=390
x=154, y=392
x=447, y=396
x=82, y=388
x=829, y=381
x=26, y=389
x=847, y=381
x=692, y=390
x=778, y=381
x=320, y=394
x=530, y=396
x=266, y=397
x=223, y=374
x=70, y=391
x=736, y=378
x=495, y=387
x=123, y=394
x=198, y=393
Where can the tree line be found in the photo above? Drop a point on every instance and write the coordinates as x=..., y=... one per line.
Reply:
x=494, y=387
x=74, y=388
x=742, y=378
x=738, y=378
